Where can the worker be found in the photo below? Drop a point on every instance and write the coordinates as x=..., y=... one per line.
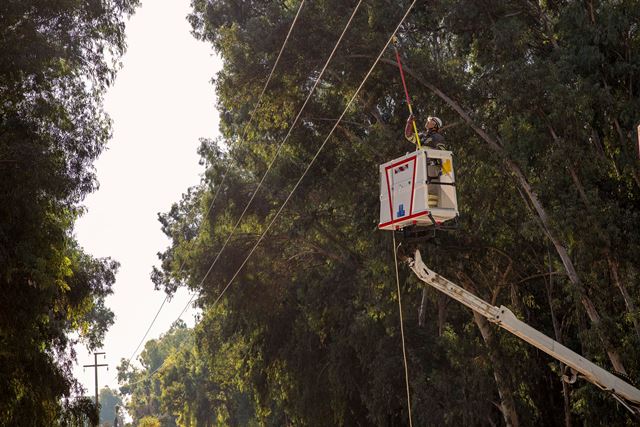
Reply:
x=432, y=138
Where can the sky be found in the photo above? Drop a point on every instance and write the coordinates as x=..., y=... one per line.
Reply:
x=162, y=102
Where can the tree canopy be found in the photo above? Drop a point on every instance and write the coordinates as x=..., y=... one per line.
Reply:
x=110, y=401
x=540, y=104
x=57, y=59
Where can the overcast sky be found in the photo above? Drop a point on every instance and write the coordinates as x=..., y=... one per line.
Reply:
x=161, y=103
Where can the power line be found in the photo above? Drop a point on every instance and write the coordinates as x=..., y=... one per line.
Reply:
x=302, y=177
x=155, y=371
x=166, y=298
x=298, y=182
x=295, y=187
x=295, y=121
x=264, y=88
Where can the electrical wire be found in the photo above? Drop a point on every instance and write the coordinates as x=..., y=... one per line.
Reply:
x=244, y=134
x=155, y=371
x=295, y=187
x=264, y=88
x=295, y=121
x=166, y=298
x=299, y=180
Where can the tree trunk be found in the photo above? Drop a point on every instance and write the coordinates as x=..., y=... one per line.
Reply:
x=558, y=337
x=613, y=265
x=545, y=222
x=507, y=402
x=442, y=311
x=628, y=300
x=423, y=308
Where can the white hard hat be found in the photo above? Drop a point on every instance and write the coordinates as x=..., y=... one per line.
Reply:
x=435, y=119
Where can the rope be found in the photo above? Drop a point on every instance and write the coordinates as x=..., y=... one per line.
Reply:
x=404, y=351
x=224, y=176
x=406, y=93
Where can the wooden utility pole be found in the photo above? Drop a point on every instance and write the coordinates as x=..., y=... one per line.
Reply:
x=95, y=366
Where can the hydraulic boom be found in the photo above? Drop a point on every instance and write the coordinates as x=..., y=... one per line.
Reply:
x=625, y=393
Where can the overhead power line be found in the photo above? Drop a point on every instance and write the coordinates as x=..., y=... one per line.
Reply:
x=295, y=121
x=264, y=88
x=297, y=183
x=295, y=187
x=166, y=298
x=293, y=124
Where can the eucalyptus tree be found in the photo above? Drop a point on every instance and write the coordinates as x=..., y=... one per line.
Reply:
x=548, y=194
x=57, y=60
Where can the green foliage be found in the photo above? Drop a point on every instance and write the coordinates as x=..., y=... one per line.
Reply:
x=79, y=412
x=149, y=422
x=57, y=60
x=186, y=382
x=309, y=329
x=109, y=401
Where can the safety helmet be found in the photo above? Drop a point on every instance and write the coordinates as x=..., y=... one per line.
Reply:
x=435, y=119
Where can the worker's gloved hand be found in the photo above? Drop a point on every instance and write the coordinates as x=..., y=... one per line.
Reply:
x=408, y=129
x=441, y=146
x=410, y=120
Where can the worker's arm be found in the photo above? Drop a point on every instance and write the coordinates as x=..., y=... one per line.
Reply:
x=408, y=130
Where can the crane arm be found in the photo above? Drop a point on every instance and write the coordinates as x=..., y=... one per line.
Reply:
x=624, y=392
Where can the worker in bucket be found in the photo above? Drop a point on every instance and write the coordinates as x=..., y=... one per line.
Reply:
x=431, y=138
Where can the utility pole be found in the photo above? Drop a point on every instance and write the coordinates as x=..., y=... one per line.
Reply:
x=95, y=366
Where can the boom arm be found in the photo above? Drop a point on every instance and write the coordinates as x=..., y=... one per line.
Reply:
x=628, y=395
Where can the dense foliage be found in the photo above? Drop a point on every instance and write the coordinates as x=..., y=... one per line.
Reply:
x=56, y=60
x=541, y=103
x=195, y=381
x=110, y=403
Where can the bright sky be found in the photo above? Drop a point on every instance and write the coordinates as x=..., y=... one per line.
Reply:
x=161, y=103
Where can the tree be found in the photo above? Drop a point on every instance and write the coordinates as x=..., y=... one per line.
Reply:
x=109, y=402
x=149, y=422
x=57, y=60
x=540, y=101
x=181, y=385
x=78, y=412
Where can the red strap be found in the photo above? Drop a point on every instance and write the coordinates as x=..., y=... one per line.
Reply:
x=404, y=84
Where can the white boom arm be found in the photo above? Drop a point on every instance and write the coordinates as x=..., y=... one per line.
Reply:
x=503, y=317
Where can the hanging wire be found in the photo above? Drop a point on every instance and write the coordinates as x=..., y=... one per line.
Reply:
x=295, y=187
x=299, y=180
x=295, y=121
x=244, y=134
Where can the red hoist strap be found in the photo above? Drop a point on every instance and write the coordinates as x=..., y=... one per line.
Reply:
x=404, y=83
x=406, y=92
